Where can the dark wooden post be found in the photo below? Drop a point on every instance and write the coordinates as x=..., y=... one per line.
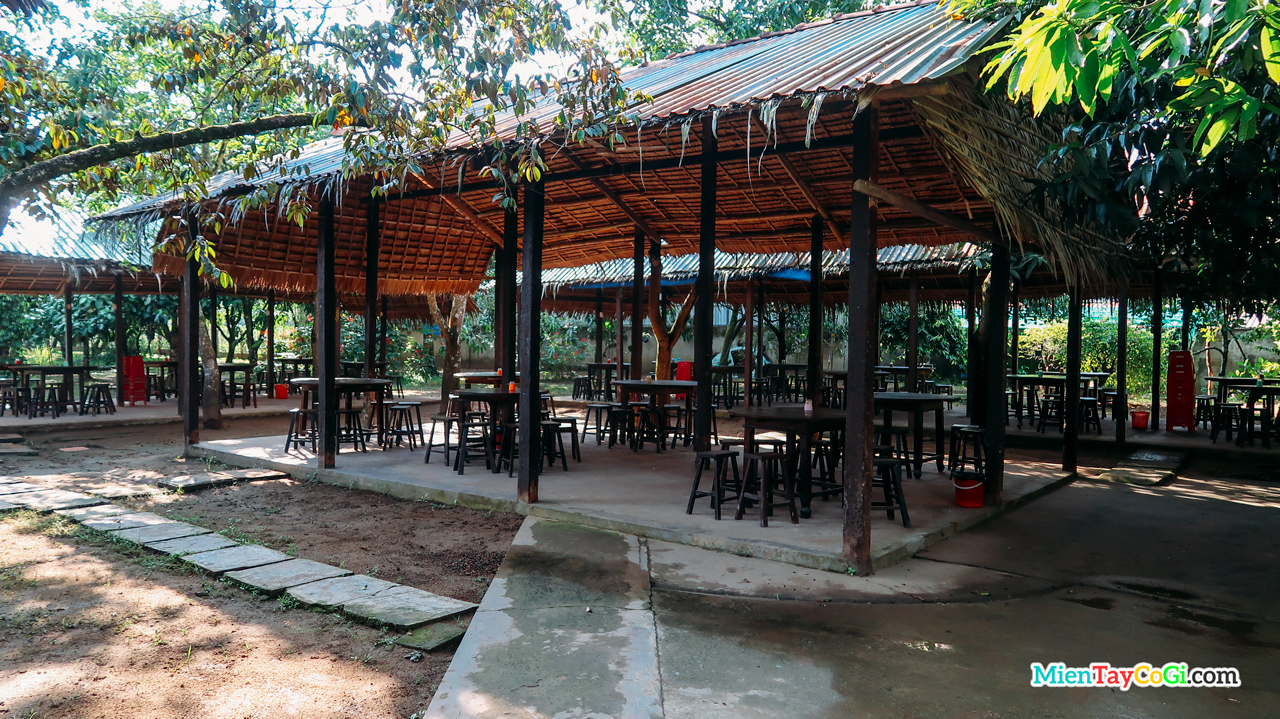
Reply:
x=121, y=344
x=271, y=342
x=530, y=345
x=814, y=378
x=382, y=333
x=326, y=338
x=996, y=361
x=1186, y=323
x=1157, y=336
x=1121, y=409
x=858, y=433
x=599, y=325
x=68, y=350
x=213, y=316
x=189, y=329
x=702, y=316
x=1071, y=417
x=913, y=331
x=1015, y=304
x=637, y=307
x=372, y=248
x=760, y=310
x=971, y=353
x=617, y=335
x=749, y=356
x=505, y=292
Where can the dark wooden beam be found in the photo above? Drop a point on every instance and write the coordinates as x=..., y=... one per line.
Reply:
x=748, y=342
x=703, y=306
x=372, y=248
x=68, y=350
x=505, y=292
x=913, y=331
x=1157, y=336
x=971, y=348
x=271, y=342
x=1120, y=410
x=530, y=345
x=121, y=344
x=862, y=349
x=994, y=366
x=599, y=325
x=813, y=378
x=382, y=334
x=1014, y=329
x=189, y=353
x=326, y=319
x=920, y=209
x=1071, y=415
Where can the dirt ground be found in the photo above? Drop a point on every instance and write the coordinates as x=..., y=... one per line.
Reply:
x=93, y=628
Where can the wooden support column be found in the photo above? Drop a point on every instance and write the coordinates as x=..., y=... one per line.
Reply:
x=760, y=356
x=599, y=325
x=121, y=344
x=637, y=307
x=913, y=331
x=326, y=338
x=271, y=342
x=1157, y=336
x=749, y=356
x=213, y=316
x=1014, y=329
x=68, y=350
x=189, y=352
x=971, y=349
x=617, y=335
x=372, y=248
x=1120, y=412
x=996, y=361
x=382, y=333
x=1186, y=323
x=814, y=376
x=859, y=434
x=702, y=318
x=530, y=345
x=505, y=293
x=1071, y=415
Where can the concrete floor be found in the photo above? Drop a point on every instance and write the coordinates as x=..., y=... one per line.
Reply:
x=645, y=494
x=584, y=622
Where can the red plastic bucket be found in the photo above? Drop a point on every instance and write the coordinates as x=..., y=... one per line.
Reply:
x=1140, y=418
x=969, y=491
x=282, y=391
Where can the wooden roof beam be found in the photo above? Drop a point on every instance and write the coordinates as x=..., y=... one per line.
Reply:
x=617, y=201
x=920, y=209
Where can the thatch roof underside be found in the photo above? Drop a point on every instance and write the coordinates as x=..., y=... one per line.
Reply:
x=785, y=105
x=25, y=274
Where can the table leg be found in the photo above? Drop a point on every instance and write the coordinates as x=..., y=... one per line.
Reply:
x=805, y=475
x=937, y=434
x=918, y=441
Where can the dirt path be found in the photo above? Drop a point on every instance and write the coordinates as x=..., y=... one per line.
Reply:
x=91, y=628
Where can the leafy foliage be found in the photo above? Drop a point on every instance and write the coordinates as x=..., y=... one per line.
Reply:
x=941, y=335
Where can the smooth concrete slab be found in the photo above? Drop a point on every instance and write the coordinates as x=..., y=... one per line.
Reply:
x=1155, y=459
x=339, y=590
x=14, y=448
x=192, y=544
x=96, y=512
x=125, y=521
x=251, y=474
x=196, y=482
x=50, y=499
x=405, y=607
x=10, y=437
x=244, y=556
x=436, y=634
x=18, y=488
x=274, y=578
x=1142, y=476
x=123, y=491
x=5, y=506
x=159, y=532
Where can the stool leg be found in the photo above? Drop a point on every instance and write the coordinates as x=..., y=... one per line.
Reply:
x=901, y=500
x=697, y=479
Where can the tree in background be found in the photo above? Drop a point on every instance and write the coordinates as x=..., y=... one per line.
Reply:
x=941, y=336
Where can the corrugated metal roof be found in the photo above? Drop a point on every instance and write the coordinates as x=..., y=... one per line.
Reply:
x=787, y=265
x=897, y=44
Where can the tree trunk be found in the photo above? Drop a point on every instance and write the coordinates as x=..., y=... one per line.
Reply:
x=664, y=337
x=250, y=342
x=730, y=334
x=212, y=399
x=449, y=319
x=979, y=376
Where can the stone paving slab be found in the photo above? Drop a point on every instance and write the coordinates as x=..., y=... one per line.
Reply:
x=1154, y=459
x=10, y=437
x=273, y=578
x=238, y=557
x=5, y=506
x=125, y=521
x=50, y=499
x=100, y=511
x=11, y=448
x=159, y=532
x=194, y=482
x=339, y=590
x=405, y=607
x=250, y=475
x=18, y=487
x=1143, y=476
x=123, y=491
x=191, y=545
x=435, y=635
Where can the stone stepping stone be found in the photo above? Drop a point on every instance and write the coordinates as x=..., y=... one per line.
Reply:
x=159, y=532
x=1142, y=476
x=339, y=590
x=1154, y=460
x=274, y=578
x=9, y=480
x=250, y=475
x=5, y=506
x=96, y=512
x=50, y=499
x=125, y=521
x=18, y=488
x=123, y=491
x=10, y=437
x=435, y=635
x=405, y=607
x=238, y=557
x=11, y=448
x=191, y=545
x=194, y=482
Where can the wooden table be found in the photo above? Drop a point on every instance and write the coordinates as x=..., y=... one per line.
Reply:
x=356, y=369
x=166, y=367
x=658, y=390
x=789, y=371
x=231, y=369
x=349, y=386
x=501, y=407
x=23, y=373
x=1267, y=392
x=291, y=367
x=490, y=378
x=896, y=371
x=917, y=404
x=608, y=368
x=800, y=427
x=1046, y=380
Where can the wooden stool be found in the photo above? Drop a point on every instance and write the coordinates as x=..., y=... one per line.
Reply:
x=569, y=425
x=1229, y=418
x=1245, y=426
x=47, y=400
x=510, y=450
x=302, y=423
x=98, y=399
x=553, y=443
x=1050, y=413
x=449, y=418
x=1204, y=410
x=890, y=480
x=582, y=388
x=620, y=425
x=599, y=413
x=765, y=470
x=1089, y=414
x=720, y=461
x=351, y=429
x=963, y=437
x=474, y=443
x=400, y=426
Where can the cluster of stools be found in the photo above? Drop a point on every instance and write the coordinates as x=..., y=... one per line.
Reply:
x=1233, y=417
x=638, y=423
x=1049, y=410
x=402, y=428
x=471, y=435
x=49, y=400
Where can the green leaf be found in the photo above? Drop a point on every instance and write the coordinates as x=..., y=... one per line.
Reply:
x=1271, y=52
x=1087, y=82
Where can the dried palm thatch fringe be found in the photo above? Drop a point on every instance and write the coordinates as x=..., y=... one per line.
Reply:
x=997, y=146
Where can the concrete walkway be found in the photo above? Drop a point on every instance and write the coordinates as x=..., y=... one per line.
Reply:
x=583, y=622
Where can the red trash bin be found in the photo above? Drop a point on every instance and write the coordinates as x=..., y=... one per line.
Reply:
x=282, y=391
